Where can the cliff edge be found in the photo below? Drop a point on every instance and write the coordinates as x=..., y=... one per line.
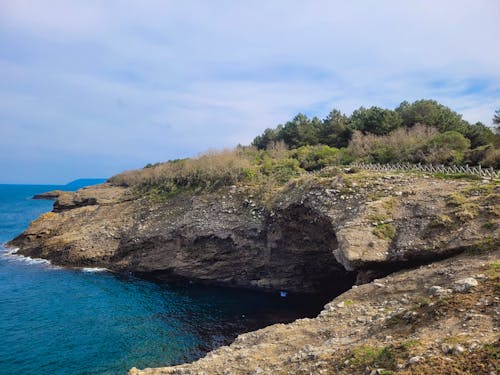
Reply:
x=306, y=236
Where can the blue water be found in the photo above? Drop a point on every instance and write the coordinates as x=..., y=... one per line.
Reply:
x=70, y=321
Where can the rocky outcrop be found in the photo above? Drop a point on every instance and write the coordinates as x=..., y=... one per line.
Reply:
x=50, y=195
x=391, y=325
x=313, y=235
x=102, y=195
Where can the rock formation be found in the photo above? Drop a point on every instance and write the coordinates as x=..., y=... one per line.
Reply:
x=316, y=234
x=308, y=236
x=392, y=325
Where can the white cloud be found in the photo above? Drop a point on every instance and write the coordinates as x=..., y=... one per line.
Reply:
x=160, y=79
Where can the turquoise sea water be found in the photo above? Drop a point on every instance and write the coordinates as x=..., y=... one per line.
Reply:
x=71, y=321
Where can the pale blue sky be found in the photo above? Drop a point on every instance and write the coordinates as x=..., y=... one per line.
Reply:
x=91, y=88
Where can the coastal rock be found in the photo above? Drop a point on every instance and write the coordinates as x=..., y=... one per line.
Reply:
x=438, y=291
x=414, y=360
x=316, y=234
x=103, y=194
x=301, y=239
x=336, y=343
x=464, y=285
x=50, y=195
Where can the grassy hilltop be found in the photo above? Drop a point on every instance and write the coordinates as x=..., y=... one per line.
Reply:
x=421, y=132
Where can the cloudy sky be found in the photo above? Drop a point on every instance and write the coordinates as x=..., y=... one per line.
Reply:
x=90, y=88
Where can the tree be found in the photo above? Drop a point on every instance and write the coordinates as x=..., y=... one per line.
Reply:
x=478, y=134
x=334, y=130
x=269, y=135
x=496, y=117
x=301, y=131
x=430, y=113
x=375, y=120
x=496, y=121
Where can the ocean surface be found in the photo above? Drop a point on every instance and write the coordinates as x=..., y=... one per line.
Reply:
x=57, y=320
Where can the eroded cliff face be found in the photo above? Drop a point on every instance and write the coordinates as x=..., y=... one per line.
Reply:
x=313, y=235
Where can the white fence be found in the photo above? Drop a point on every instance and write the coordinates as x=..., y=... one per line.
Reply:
x=454, y=169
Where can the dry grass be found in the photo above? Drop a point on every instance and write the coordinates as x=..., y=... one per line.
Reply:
x=211, y=170
x=400, y=144
x=208, y=170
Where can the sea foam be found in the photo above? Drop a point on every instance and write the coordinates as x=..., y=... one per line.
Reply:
x=4, y=250
x=11, y=255
x=94, y=269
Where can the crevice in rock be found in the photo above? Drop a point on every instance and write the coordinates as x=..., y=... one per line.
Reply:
x=377, y=270
x=301, y=243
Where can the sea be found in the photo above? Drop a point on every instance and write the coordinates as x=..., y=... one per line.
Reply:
x=59, y=320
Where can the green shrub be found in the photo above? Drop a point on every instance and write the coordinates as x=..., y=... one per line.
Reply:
x=446, y=148
x=283, y=169
x=312, y=158
x=374, y=356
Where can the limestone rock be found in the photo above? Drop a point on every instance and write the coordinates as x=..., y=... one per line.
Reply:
x=415, y=359
x=437, y=291
x=464, y=285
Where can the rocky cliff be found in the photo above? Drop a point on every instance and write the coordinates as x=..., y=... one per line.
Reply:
x=313, y=233
x=318, y=233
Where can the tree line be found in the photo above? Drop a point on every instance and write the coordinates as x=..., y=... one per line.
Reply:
x=422, y=131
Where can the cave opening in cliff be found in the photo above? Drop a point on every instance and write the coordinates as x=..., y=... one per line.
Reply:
x=303, y=241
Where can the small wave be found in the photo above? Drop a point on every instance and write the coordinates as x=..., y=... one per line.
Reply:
x=11, y=255
x=27, y=260
x=94, y=269
x=8, y=250
x=30, y=260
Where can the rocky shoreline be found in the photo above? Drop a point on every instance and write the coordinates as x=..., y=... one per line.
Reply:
x=441, y=318
x=320, y=233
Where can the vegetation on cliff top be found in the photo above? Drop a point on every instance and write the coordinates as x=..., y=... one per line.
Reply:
x=421, y=132
x=424, y=131
x=271, y=167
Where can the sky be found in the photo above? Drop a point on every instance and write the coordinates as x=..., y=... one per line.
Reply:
x=91, y=88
